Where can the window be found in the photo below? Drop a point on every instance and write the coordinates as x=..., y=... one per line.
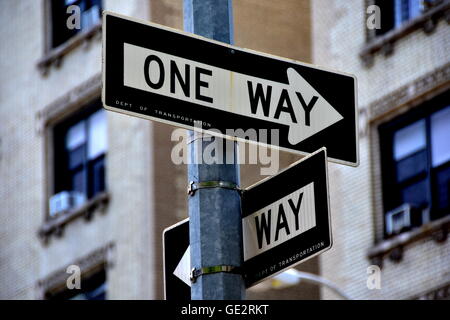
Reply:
x=398, y=19
x=80, y=149
x=90, y=13
x=92, y=287
x=415, y=152
x=394, y=13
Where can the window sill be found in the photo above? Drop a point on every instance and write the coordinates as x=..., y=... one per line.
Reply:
x=393, y=248
x=385, y=43
x=55, y=225
x=55, y=56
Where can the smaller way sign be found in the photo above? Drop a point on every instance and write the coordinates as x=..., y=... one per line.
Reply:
x=177, y=261
x=286, y=219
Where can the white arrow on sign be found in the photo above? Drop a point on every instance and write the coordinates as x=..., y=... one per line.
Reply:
x=182, y=271
x=296, y=104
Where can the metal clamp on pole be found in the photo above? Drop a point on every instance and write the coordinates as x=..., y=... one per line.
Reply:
x=195, y=273
x=194, y=186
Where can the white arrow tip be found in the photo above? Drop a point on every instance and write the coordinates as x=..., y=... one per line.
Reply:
x=182, y=271
x=321, y=116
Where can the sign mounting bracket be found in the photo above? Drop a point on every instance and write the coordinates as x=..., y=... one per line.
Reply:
x=195, y=273
x=194, y=186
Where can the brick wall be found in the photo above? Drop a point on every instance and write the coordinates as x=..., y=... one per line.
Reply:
x=25, y=260
x=338, y=38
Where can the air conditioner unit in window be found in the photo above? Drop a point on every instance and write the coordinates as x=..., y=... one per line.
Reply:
x=400, y=219
x=65, y=201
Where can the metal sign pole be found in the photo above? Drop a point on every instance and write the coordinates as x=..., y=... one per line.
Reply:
x=214, y=197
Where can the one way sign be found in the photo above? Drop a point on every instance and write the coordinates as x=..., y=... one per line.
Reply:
x=181, y=79
x=177, y=262
x=286, y=219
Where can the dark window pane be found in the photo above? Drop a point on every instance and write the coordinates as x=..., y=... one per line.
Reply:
x=59, y=27
x=79, y=181
x=77, y=157
x=75, y=138
x=90, y=11
x=98, y=175
x=440, y=137
x=98, y=293
x=442, y=192
x=93, y=287
x=411, y=166
x=416, y=194
x=387, y=16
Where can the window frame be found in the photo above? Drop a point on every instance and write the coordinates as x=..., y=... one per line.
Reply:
x=46, y=118
x=53, y=56
x=60, y=160
x=392, y=21
x=96, y=274
x=385, y=133
x=393, y=18
x=397, y=102
x=385, y=43
x=100, y=258
x=76, y=32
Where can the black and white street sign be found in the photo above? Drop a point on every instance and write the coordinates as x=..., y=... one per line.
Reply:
x=182, y=79
x=286, y=219
x=177, y=262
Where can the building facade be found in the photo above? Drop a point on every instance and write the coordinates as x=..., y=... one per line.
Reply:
x=88, y=190
x=393, y=210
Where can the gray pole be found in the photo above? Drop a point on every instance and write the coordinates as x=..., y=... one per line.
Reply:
x=215, y=213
